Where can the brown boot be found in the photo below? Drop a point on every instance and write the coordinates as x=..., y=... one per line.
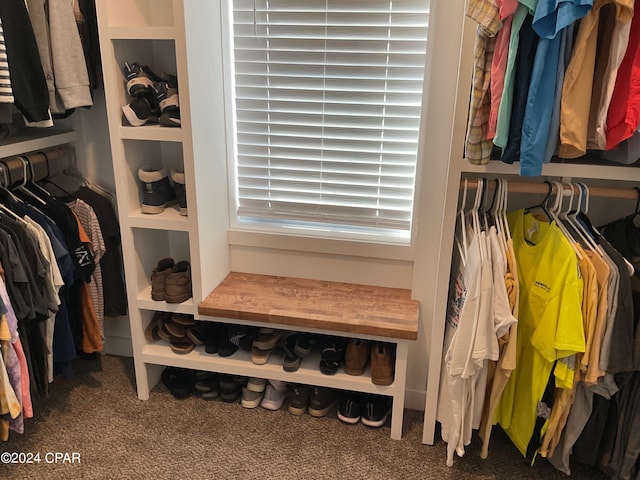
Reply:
x=382, y=364
x=178, y=283
x=158, y=278
x=356, y=356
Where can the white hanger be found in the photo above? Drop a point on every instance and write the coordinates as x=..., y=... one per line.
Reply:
x=462, y=248
x=558, y=215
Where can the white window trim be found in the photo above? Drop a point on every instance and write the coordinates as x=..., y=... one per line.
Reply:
x=296, y=238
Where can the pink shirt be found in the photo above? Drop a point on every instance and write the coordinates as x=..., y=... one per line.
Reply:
x=499, y=63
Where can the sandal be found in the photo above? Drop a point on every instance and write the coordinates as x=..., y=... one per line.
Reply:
x=332, y=355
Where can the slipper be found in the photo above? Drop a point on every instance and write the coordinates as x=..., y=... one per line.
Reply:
x=178, y=381
x=183, y=319
x=178, y=331
x=182, y=347
x=197, y=334
x=163, y=333
x=151, y=332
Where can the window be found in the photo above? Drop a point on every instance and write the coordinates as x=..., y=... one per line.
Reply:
x=327, y=101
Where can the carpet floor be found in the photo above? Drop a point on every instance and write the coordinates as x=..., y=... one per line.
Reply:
x=98, y=417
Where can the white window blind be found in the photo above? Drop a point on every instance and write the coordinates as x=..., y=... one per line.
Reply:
x=327, y=102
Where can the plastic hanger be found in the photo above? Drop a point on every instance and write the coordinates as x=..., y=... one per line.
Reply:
x=542, y=205
x=22, y=187
x=462, y=247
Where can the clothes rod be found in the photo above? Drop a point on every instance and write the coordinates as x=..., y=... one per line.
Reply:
x=542, y=188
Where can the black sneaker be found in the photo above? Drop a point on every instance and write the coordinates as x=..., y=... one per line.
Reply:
x=157, y=193
x=299, y=399
x=376, y=411
x=225, y=347
x=142, y=110
x=350, y=409
x=139, y=78
x=323, y=400
x=169, y=103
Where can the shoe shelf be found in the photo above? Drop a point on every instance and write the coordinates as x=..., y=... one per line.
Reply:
x=144, y=302
x=240, y=364
x=156, y=133
x=170, y=219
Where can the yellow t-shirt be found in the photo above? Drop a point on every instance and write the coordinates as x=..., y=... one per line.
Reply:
x=550, y=321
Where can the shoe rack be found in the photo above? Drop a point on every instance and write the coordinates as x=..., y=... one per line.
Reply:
x=152, y=33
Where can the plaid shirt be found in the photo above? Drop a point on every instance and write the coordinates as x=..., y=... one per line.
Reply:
x=486, y=14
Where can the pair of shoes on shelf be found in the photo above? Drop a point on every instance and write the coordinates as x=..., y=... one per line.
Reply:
x=383, y=361
x=332, y=355
x=275, y=394
x=254, y=392
x=173, y=328
x=155, y=97
x=356, y=356
x=318, y=401
x=264, y=343
x=371, y=410
x=158, y=192
x=294, y=346
x=171, y=281
x=231, y=387
x=207, y=385
x=179, y=381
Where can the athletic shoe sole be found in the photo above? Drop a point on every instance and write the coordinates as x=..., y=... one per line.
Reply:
x=322, y=412
x=297, y=411
x=155, y=209
x=376, y=423
x=132, y=118
x=349, y=420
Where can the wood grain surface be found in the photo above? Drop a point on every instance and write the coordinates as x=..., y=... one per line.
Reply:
x=333, y=306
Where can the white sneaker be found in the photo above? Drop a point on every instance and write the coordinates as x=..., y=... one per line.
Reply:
x=273, y=399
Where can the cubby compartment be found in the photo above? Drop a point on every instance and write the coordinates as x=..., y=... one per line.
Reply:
x=156, y=155
x=151, y=246
x=140, y=13
x=158, y=55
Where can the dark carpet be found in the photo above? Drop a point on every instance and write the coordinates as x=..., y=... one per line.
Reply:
x=116, y=436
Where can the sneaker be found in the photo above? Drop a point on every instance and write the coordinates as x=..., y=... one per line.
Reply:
x=290, y=361
x=181, y=192
x=230, y=391
x=299, y=399
x=356, y=356
x=140, y=79
x=350, y=409
x=168, y=102
x=273, y=398
x=250, y=398
x=159, y=279
x=257, y=384
x=157, y=193
x=141, y=110
x=376, y=411
x=382, y=364
x=267, y=338
x=322, y=401
x=178, y=283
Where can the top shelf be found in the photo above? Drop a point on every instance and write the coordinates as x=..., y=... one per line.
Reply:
x=140, y=13
x=574, y=170
x=31, y=139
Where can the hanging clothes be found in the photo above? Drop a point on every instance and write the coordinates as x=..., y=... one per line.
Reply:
x=549, y=322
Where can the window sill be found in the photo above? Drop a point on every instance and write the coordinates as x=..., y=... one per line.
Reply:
x=316, y=244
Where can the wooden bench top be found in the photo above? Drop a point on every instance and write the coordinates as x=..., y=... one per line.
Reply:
x=333, y=306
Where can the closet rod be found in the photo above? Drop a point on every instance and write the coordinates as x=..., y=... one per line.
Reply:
x=530, y=187
x=35, y=166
